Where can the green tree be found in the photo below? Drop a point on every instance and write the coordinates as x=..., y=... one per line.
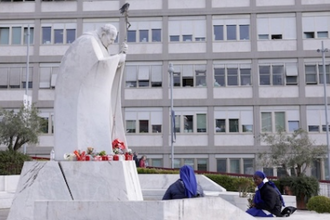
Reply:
x=19, y=127
x=289, y=151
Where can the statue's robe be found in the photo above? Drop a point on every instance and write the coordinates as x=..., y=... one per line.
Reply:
x=87, y=108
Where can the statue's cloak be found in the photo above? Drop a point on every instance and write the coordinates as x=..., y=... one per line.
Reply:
x=87, y=108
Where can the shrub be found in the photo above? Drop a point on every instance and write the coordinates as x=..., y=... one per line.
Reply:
x=11, y=162
x=319, y=204
x=230, y=183
x=226, y=182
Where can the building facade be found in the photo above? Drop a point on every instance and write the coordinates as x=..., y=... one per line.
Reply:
x=241, y=68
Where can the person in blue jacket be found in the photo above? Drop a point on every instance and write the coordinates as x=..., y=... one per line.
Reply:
x=185, y=187
x=268, y=200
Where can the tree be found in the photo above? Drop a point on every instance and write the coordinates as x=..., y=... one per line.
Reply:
x=18, y=128
x=288, y=151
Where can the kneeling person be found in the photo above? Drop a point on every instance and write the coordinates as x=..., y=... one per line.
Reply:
x=185, y=187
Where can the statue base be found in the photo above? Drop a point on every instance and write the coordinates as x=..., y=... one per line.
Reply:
x=72, y=180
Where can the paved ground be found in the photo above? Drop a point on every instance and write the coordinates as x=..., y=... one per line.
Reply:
x=4, y=214
x=298, y=215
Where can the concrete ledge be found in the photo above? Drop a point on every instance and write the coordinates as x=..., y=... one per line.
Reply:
x=153, y=186
x=8, y=183
x=6, y=199
x=180, y=209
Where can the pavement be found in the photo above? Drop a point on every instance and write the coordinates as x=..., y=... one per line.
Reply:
x=298, y=215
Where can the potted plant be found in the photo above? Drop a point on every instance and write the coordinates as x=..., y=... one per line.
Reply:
x=303, y=187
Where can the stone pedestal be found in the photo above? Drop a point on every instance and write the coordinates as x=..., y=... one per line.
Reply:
x=68, y=181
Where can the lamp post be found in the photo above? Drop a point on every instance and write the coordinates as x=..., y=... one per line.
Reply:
x=323, y=51
x=26, y=98
x=171, y=70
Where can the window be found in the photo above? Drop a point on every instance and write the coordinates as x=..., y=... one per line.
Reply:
x=232, y=75
x=202, y=164
x=156, y=128
x=131, y=36
x=188, y=123
x=177, y=124
x=263, y=36
x=142, y=76
x=58, y=33
x=177, y=163
x=322, y=34
x=145, y=30
x=201, y=123
x=15, y=77
x=279, y=120
x=315, y=26
x=174, y=38
x=314, y=73
x=268, y=171
x=233, y=120
x=222, y=165
x=26, y=35
x=309, y=35
x=267, y=121
x=187, y=37
x=244, y=33
x=327, y=74
x=264, y=73
x=156, y=35
x=310, y=72
x=248, y=166
x=144, y=126
x=234, y=166
x=44, y=125
x=231, y=29
x=233, y=125
x=143, y=120
x=58, y=36
x=189, y=75
x=47, y=76
x=276, y=36
x=293, y=125
x=130, y=126
x=220, y=125
x=324, y=128
x=70, y=35
x=187, y=29
x=219, y=76
x=46, y=35
x=231, y=32
x=247, y=128
x=218, y=32
x=245, y=76
x=16, y=35
x=278, y=74
x=189, y=162
x=156, y=162
x=144, y=35
x=276, y=26
x=313, y=128
x=4, y=35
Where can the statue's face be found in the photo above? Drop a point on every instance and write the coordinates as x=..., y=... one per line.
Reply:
x=108, y=39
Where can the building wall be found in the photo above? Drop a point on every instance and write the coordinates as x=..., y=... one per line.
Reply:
x=239, y=62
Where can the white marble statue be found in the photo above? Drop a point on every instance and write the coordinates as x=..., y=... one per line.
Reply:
x=87, y=108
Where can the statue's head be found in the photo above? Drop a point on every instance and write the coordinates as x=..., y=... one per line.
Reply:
x=107, y=34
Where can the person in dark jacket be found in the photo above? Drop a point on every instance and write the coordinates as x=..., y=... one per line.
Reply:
x=136, y=159
x=185, y=187
x=268, y=200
